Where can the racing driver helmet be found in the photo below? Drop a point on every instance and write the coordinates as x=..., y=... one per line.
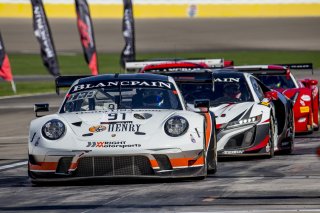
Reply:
x=232, y=90
x=152, y=98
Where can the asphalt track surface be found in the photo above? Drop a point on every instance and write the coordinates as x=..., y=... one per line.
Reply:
x=174, y=35
x=281, y=184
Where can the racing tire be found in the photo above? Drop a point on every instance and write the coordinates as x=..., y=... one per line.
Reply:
x=291, y=138
x=212, y=163
x=272, y=132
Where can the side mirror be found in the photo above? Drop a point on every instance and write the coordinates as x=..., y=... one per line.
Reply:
x=273, y=95
x=203, y=104
x=41, y=108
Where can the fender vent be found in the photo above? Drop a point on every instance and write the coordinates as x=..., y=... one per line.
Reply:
x=64, y=165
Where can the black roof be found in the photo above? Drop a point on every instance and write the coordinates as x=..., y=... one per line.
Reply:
x=124, y=77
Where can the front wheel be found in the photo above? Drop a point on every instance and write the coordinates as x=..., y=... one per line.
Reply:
x=272, y=137
x=212, y=157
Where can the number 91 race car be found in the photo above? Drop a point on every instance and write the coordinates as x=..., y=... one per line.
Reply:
x=127, y=125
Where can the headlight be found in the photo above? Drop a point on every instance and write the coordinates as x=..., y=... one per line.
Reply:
x=53, y=129
x=247, y=121
x=176, y=126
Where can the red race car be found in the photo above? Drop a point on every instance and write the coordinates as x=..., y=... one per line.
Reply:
x=304, y=93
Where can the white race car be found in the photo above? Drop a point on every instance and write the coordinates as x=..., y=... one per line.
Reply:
x=127, y=125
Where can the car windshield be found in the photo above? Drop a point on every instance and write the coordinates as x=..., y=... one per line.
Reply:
x=277, y=81
x=225, y=91
x=122, y=97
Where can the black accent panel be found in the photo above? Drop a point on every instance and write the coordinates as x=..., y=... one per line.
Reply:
x=114, y=166
x=64, y=165
x=32, y=160
x=77, y=123
x=241, y=141
x=85, y=167
x=163, y=162
x=103, y=166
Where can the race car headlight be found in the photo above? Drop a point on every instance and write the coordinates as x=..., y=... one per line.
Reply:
x=53, y=129
x=176, y=126
x=243, y=122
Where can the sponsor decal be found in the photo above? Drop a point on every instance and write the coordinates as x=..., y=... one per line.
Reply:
x=37, y=142
x=268, y=148
x=123, y=127
x=34, y=134
x=228, y=80
x=98, y=128
x=116, y=127
x=159, y=84
x=192, y=139
x=177, y=69
x=306, y=98
x=304, y=109
x=112, y=144
x=233, y=152
x=265, y=103
x=81, y=95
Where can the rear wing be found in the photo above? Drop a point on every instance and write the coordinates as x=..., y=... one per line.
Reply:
x=67, y=81
x=262, y=69
x=301, y=66
x=138, y=65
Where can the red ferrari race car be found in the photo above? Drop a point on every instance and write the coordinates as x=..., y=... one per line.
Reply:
x=304, y=93
x=174, y=65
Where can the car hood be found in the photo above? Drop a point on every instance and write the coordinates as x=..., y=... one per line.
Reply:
x=123, y=124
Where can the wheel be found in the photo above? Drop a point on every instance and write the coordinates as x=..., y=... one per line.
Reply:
x=273, y=137
x=212, y=157
x=290, y=139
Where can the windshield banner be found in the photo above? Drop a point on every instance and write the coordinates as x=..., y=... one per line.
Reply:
x=43, y=34
x=86, y=32
x=128, y=52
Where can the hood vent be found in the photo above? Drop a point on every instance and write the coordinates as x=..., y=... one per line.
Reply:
x=77, y=123
x=142, y=116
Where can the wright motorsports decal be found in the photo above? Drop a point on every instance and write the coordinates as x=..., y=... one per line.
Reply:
x=112, y=144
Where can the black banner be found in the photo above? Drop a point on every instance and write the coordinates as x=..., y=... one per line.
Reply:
x=86, y=32
x=128, y=52
x=43, y=33
x=5, y=68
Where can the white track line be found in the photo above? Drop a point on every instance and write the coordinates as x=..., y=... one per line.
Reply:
x=14, y=137
x=13, y=165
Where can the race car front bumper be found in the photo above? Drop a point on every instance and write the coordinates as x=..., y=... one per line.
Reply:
x=83, y=165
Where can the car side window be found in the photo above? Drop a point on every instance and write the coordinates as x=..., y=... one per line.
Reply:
x=257, y=88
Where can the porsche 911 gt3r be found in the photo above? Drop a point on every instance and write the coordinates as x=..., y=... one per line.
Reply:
x=304, y=93
x=250, y=118
x=130, y=125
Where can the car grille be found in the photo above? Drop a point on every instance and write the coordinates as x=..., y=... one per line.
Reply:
x=114, y=166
